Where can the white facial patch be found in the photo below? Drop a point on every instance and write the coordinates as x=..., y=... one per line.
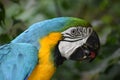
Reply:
x=73, y=38
x=67, y=48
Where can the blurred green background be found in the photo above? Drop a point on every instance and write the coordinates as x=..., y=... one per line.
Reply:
x=104, y=15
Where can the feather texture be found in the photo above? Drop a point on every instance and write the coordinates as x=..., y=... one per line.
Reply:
x=17, y=60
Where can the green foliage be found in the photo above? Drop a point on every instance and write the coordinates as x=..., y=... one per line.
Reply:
x=104, y=15
x=2, y=13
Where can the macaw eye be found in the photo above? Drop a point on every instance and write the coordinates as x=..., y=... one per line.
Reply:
x=74, y=32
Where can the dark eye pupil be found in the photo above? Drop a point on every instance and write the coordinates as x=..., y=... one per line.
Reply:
x=73, y=31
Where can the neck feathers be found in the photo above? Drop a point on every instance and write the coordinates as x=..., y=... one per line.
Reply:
x=45, y=67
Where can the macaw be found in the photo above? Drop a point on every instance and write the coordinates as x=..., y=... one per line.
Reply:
x=38, y=51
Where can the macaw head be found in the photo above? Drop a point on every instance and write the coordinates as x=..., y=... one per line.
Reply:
x=78, y=39
x=79, y=43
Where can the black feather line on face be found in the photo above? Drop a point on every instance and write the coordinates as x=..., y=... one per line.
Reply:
x=77, y=34
x=58, y=59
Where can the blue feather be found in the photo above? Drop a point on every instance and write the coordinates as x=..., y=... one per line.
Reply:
x=17, y=60
x=39, y=30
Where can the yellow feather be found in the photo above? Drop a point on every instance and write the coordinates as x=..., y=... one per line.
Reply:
x=45, y=68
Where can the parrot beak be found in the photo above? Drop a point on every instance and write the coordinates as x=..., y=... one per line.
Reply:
x=87, y=51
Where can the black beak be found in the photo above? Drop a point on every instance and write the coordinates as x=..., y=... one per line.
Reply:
x=89, y=50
